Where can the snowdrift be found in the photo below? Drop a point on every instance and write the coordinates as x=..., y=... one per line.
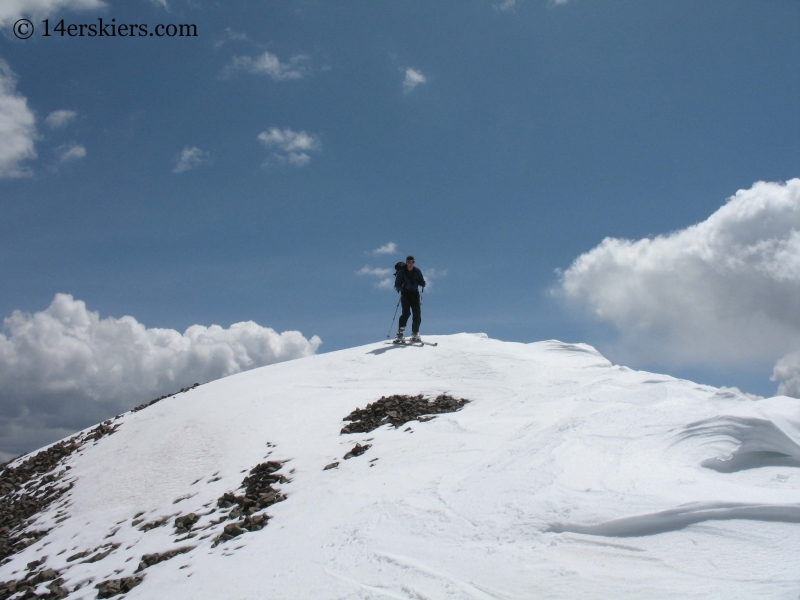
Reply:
x=475, y=469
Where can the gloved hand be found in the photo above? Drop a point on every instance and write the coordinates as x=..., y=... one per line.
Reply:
x=422, y=284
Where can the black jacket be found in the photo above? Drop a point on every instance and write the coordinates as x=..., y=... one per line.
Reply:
x=408, y=281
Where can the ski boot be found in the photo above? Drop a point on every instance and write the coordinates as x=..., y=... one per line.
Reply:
x=399, y=338
x=415, y=337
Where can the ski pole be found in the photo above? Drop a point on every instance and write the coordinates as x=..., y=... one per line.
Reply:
x=388, y=335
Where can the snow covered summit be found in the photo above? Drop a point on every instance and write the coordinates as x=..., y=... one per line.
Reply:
x=562, y=476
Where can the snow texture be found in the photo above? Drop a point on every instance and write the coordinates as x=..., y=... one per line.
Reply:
x=564, y=476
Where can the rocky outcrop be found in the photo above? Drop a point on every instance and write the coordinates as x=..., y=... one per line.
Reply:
x=258, y=495
x=159, y=399
x=398, y=410
x=24, y=589
x=34, y=484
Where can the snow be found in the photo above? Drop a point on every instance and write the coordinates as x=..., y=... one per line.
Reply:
x=564, y=477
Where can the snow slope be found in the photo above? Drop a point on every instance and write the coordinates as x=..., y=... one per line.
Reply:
x=564, y=477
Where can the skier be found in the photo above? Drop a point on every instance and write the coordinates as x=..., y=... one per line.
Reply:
x=407, y=281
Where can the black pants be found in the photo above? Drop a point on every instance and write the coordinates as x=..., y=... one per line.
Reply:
x=410, y=301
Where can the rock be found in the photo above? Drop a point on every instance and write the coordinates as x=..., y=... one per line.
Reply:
x=148, y=560
x=78, y=555
x=331, y=466
x=153, y=524
x=46, y=575
x=357, y=450
x=114, y=587
x=185, y=523
x=101, y=555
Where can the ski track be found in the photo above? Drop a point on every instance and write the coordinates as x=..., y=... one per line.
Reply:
x=525, y=492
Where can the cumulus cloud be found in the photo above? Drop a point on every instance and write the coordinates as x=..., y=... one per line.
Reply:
x=11, y=10
x=389, y=248
x=17, y=126
x=65, y=368
x=268, y=64
x=413, y=78
x=724, y=292
x=71, y=152
x=60, y=118
x=292, y=147
x=191, y=158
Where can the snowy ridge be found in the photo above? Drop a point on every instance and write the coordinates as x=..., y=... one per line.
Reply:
x=563, y=476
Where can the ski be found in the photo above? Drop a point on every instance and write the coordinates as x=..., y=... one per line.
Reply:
x=409, y=342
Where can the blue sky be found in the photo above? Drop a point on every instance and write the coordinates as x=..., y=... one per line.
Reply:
x=534, y=130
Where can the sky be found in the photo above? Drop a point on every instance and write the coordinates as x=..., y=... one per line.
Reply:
x=581, y=170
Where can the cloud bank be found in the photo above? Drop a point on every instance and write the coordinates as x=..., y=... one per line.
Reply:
x=17, y=125
x=724, y=292
x=65, y=368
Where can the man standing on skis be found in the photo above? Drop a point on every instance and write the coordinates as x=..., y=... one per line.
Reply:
x=407, y=281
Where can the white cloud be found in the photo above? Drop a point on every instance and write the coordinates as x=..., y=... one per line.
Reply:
x=64, y=368
x=269, y=64
x=289, y=146
x=413, y=78
x=385, y=277
x=11, y=10
x=191, y=158
x=431, y=274
x=506, y=5
x=389, y=248
x=17, y=126
x=723, y=292
x=162, y=3
x=787, y=372
x=60, y=118
x=70, y=152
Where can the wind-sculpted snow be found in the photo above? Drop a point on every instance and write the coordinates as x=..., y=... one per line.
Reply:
x=761, y=443
x=683, y=516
